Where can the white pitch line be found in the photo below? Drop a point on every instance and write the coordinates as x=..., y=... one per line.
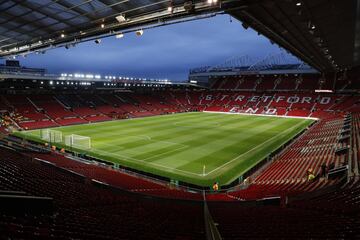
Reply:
x=150, y=139
x=256, y=147
x=188, y=125
x=145, y=137
x=170, y=151
x=184, y=146
x=153, y=156
x=147, y=163
x=261, y=115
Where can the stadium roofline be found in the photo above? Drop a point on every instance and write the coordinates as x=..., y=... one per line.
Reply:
x=324, y=34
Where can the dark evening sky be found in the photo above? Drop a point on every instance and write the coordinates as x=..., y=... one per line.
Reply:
x=164, y=52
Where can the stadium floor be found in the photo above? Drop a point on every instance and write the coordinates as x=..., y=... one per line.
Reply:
x=178, y=146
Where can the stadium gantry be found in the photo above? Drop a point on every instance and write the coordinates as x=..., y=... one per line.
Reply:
x=246, y=149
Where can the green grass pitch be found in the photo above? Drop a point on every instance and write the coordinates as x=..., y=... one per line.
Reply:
x=178, y=146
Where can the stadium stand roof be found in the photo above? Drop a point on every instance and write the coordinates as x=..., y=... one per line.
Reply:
x=243, y=64
x=33, y=25
x=323, y=33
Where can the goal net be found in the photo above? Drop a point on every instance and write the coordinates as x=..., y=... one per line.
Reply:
x=77, y=141
x=51, y=135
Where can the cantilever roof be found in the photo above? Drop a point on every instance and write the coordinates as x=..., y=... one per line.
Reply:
x=32, y=24
x=323, y=33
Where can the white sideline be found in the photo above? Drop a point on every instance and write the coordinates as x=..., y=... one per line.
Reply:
x=236, y=158
x=128, y=159
x=262, y=115
x=215, y=169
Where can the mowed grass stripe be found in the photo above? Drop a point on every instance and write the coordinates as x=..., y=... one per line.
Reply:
x=166, y=152
x=132, y=125
x=194, y=138
x=202, y=143
x=227, y=147
x=177, y=146
x=167, y=133
x=132, y=131
x=250, y=158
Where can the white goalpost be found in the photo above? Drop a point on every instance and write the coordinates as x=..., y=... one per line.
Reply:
x=51, y=135
x=78, y=141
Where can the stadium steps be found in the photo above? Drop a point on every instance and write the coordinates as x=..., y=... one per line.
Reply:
x=61, y=103
x=33, y=104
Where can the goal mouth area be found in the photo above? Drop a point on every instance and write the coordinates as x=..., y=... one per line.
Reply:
x=51, y=135
x=78, y=142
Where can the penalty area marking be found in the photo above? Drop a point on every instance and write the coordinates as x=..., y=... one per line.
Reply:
x=127, y=158
x=215, y=169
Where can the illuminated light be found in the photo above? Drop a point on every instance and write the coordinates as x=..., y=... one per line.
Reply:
x=170, y=9
x=323, y=91
x=298, y=4
x=51, y=82
x=62, y=35
x=209, y=1
x=102, y=25
x=313, y=27
x=119, y=35
x=139, y=32
x=121, y=18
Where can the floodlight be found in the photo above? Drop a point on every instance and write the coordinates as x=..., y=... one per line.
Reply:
x=139, y=32
x=121, y=18
x=119, y=35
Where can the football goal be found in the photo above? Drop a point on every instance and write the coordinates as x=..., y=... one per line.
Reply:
x=51, y=135
x=77, y=141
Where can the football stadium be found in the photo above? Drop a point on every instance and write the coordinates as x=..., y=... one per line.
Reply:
x=171, y=119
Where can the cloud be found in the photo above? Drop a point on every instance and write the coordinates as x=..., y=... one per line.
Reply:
x=167, y=52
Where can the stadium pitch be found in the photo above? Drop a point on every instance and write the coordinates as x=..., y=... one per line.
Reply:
x=197, y=148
